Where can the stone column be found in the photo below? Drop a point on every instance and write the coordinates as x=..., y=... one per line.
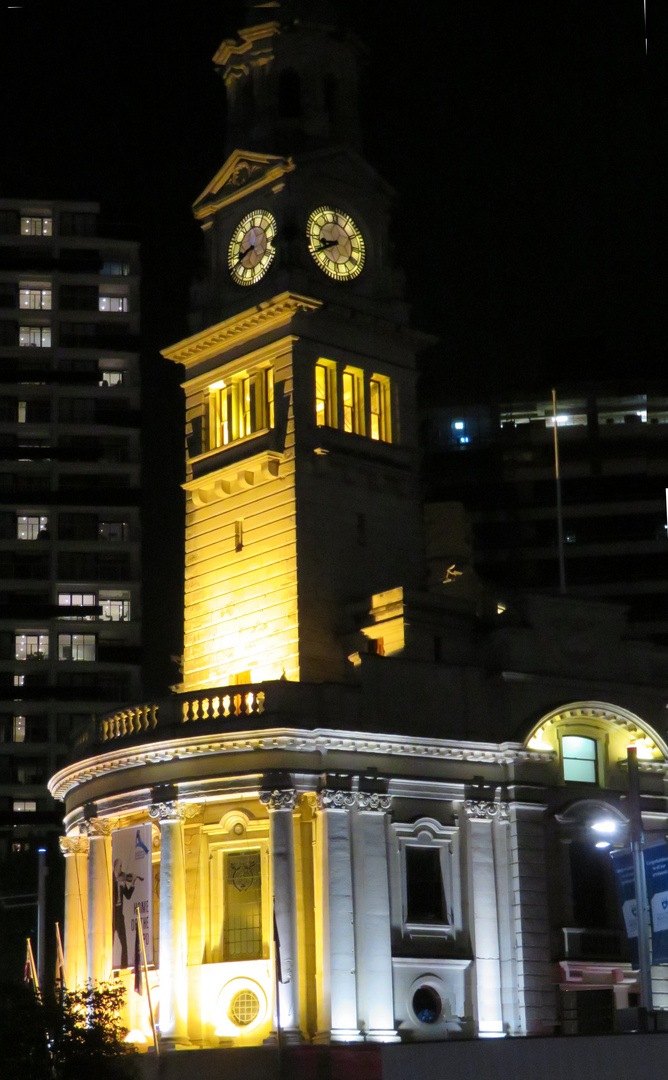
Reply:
x=173, y=1022
x=75, y=850
x=100, y=924
x=281, y=805
x=339, y=961
x=375, y=990
x=483, y=915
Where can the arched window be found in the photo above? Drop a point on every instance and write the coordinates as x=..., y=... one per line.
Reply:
x=289, y=94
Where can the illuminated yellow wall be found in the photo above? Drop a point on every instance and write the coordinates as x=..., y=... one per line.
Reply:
x=241, y=606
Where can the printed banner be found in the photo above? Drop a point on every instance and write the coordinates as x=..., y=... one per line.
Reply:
x=622, y=862
x=131, y=864
x=656, y=875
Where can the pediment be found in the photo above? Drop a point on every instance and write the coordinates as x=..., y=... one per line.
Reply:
x=242, y=173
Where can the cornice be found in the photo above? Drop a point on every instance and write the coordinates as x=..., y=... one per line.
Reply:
x=267, y=316
x=242, y=174
x=320, y=741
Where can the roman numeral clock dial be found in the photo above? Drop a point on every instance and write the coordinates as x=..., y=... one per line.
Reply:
x=252, y=248
x=335, y=243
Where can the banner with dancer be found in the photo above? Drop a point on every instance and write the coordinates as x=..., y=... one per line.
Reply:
x=131, y=864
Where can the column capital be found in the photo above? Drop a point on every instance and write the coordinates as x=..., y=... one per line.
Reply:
x=173, y=811
x=96, y=827
x=332, y=799
x=479, y=810
x=367, y=800
x=74, y=845
x=279, y=799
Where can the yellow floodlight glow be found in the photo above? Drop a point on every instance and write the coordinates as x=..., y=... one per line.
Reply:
x=136, y=1037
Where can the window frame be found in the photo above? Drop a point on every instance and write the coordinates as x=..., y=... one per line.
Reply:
x=428, y=833
x=239, y=406
x=222, y=840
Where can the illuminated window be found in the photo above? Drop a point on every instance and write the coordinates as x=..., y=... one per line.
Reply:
x=19, y=729
x=325, y=394
x=244, y=1008
x=36, y=226
x=241, y=406
x=353, y=401
x=22, y=412
x=115, y=605
x=242, y=906
x=111, y=378
x=24, y=806
x=76, y=647
x=19, y=680
x=35, y=337
x=31, y=646
x=238, y=535
x=379, y=409
x=113, y=303
x=579, y=759
x=77, y=602
x=30, y=528
x=35, y=297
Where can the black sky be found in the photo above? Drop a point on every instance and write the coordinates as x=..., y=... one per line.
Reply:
x=526, y=141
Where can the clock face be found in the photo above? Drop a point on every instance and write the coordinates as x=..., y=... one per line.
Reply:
x=335, y=243
x=252, y=247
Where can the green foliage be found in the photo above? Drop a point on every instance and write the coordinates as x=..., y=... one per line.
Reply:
x=64, y=1037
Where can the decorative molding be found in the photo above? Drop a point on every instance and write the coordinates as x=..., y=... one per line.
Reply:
x=230, y=479
x=74, y=845
x=96, y=827
x=298, y=741
x=479, y=810
x=284, y=799
x=173, y=811
x=373, y=801
x=329, y=799
x=239, y=328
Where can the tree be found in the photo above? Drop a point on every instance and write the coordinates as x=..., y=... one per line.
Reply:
x=65, y=1037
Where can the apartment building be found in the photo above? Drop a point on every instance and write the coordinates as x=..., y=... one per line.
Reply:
x=69, y=493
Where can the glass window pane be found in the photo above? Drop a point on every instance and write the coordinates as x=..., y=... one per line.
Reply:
x=575, y=746
x=579, y=770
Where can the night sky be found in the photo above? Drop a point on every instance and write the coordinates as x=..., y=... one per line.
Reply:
x=526, y=141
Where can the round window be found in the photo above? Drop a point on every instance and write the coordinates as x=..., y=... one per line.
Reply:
x=244, y=1008
x=427, y=1004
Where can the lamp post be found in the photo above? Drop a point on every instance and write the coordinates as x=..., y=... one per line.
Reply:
x=642, y=903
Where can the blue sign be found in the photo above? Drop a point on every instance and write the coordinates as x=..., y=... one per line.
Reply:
x=656, y=875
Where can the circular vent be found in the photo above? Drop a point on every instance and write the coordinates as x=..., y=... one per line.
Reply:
x=427, y=1004
x=244, y=1008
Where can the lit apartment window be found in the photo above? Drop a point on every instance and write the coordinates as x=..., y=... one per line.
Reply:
x=111, y=378
x=78, y=603
x=115, y=269
x=35, y=297
x=31, y=646
x=36, y=226
x=325, y=394
x=24, y=806
x=29, y=528
x=240, y=406
x=19, y=680
x=115, y=605
x=379, y=409
x=22, y=412
x=353, y=400
x=113, y=531
x=76, y=647
x=579, y=759
x=35, y=337
x=113, y=303
x=242, y=906
x=19, y=729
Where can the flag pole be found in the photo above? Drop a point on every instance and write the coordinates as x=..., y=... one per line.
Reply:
x=560, y=515
x=31, y=970
x=61, y=958
x=140, y=931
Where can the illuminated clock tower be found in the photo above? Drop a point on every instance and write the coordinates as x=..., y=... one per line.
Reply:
x=302, y=494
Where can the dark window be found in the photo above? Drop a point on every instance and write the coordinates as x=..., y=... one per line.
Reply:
x=76, y=410
x=289, y=94
x=77, y=526
x=425, y=898
x=593, y=897
x=78, y=224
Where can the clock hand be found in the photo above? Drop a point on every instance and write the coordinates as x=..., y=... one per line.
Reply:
x=326, y=244
x=242, y=256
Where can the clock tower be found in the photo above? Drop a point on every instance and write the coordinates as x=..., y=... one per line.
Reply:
x=302, y=493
